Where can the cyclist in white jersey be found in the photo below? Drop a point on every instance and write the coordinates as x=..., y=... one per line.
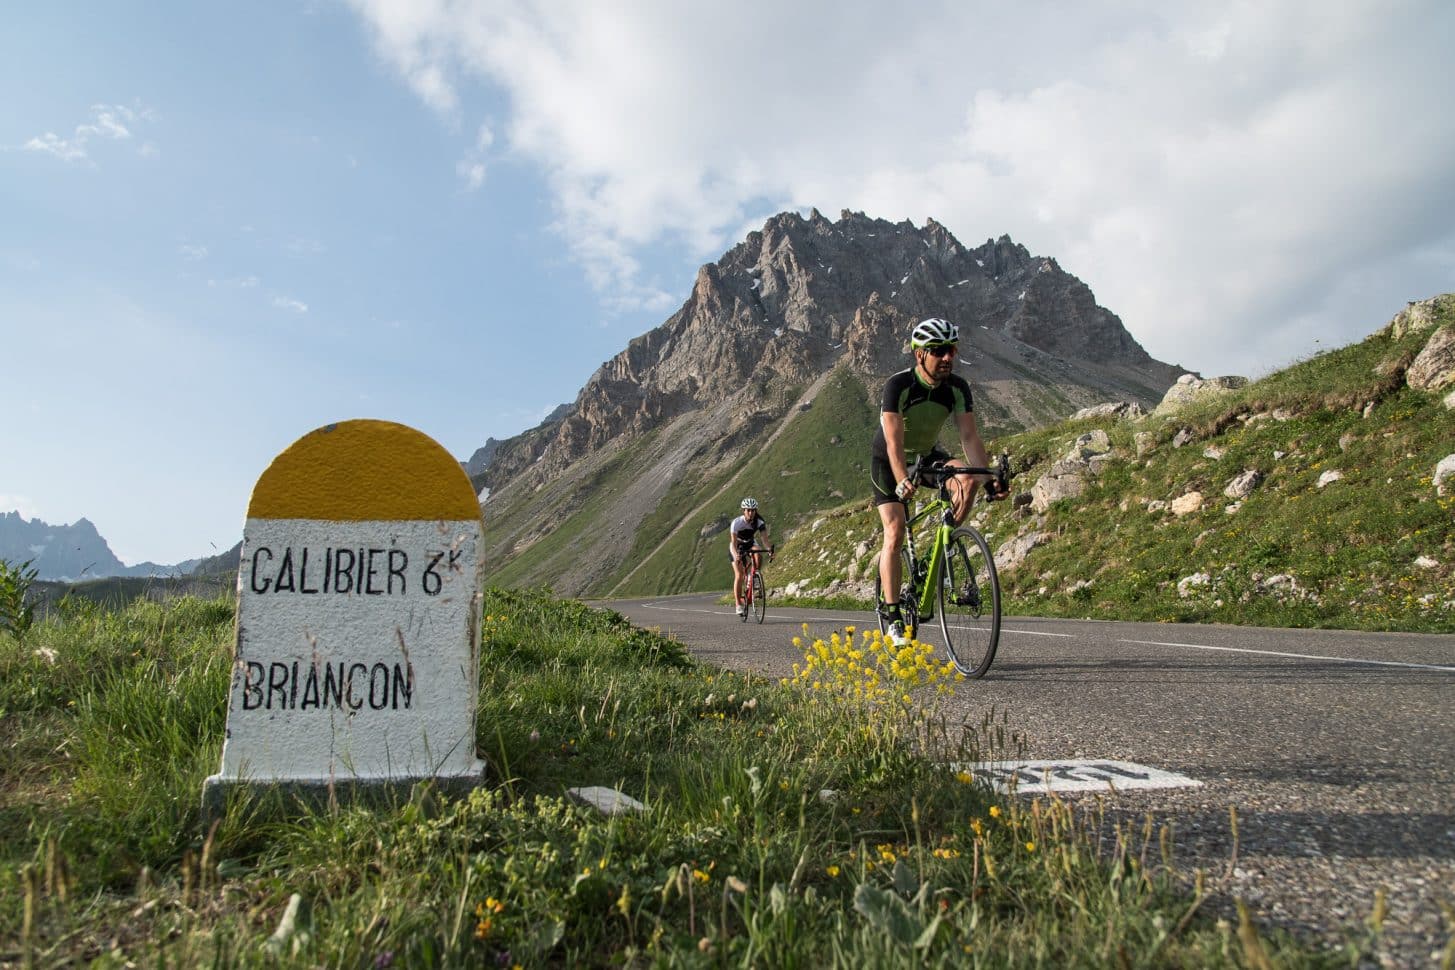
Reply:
x=742, y=537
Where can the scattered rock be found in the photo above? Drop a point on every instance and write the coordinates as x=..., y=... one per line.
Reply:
x=1243, y=485
x=1346, y=439
x=1330, y=476
x=1425, y=562
x=1146, y=440
x=1444, y=472
x=1214, y=452
x=1186, y=504
x=1052, y=488
x=1089, y=445
x=1188, y=584
x=1449, y=401
x=1156, y=505
x=1011, y=554
x=1111, y=409
x=607, y=801
x=1182, y=437
x=1232, y=508
x=1279, y=455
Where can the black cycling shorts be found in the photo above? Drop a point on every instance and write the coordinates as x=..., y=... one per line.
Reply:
x=881, y=481
x=881, y=476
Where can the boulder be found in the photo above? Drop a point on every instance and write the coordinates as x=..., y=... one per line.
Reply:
x=1111, y=409
x=1190, y=388
x=1086, y=446
x=1242, y=485
x=1330, y=477
x=1445, y=476
x=1013, y=553
x=1145, y=441
x=1186, y=504
x=1434, y=367
x=1052, y=488
x=1419, y=315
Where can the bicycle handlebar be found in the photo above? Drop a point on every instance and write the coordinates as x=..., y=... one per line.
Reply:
x=936, y=473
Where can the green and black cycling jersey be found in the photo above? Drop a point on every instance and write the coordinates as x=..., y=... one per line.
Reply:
x=924, y=409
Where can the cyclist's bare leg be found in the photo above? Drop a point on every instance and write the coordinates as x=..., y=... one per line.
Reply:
x=738, y=576
x=891, y=514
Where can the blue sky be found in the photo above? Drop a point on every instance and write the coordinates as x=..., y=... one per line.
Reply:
x=224, y=225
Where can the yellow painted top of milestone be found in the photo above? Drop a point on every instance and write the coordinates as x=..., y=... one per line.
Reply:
x=364, y=470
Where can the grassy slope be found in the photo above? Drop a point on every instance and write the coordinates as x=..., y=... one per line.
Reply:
x=1351, y=546
x=805, y=469
x=571, y=517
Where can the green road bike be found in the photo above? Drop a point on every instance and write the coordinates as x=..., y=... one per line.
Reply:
x=956, y=581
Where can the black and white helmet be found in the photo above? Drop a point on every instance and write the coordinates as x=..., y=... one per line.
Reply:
x=749, y=503
x=933, y=331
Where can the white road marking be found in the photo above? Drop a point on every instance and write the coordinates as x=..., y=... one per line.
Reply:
x=1152, y=643
x=1074, y=775
x=1296, y=656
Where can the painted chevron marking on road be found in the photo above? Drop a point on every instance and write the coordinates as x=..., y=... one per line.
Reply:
x=1081, y=775
x=1296, y=656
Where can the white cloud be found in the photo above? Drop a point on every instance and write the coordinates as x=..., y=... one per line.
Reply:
x=108, y=122
x=471, y=168
x=192, y=253
x=237, y=283
x=1218, y=174
x=300, y=248
x=290, y=304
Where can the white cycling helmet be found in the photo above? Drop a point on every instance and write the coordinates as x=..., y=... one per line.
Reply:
x=933, y=331
x=750, y=503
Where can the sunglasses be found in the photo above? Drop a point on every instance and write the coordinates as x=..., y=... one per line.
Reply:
x=941, y=350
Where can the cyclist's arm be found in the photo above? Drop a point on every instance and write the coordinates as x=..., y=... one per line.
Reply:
x=893, y=424
x=974, y=448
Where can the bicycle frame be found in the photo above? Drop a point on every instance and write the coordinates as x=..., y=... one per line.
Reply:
x=927, y=583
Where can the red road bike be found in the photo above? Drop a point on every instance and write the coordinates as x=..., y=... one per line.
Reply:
x=755, y=593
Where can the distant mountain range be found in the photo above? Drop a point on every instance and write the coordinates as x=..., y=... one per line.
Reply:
x=75, y=552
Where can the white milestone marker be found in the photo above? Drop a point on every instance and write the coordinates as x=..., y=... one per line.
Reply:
x=359, y=598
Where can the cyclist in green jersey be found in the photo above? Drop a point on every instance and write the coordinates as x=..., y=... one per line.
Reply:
x=915, y=404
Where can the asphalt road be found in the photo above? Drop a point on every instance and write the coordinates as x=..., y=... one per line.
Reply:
x=1337, y=749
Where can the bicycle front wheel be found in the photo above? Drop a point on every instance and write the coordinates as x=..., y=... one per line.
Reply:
x=969, y=601
x=760, y=597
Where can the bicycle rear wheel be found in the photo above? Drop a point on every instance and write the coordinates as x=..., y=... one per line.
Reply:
x=969, y=603
x=908, y=595
x=760, y=597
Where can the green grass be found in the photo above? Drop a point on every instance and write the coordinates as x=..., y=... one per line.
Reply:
x=1358, y=550
x=109, y=721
